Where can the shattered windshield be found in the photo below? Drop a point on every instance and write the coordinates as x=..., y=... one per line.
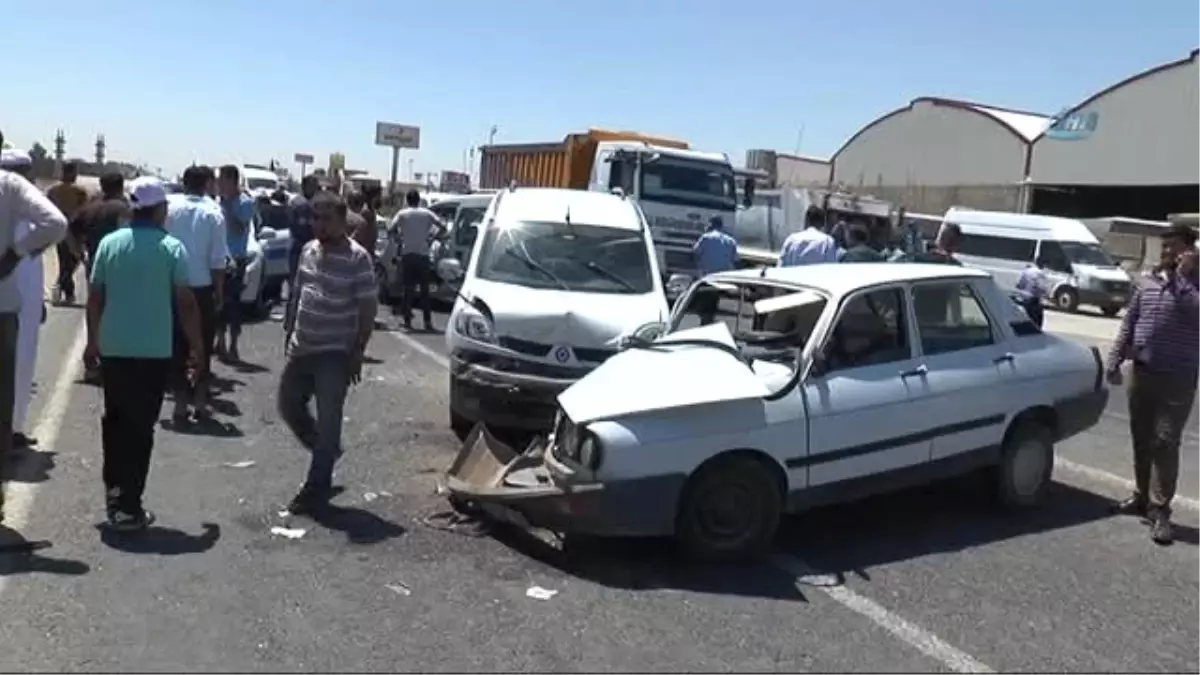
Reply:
x=768, y=322
x=582, y=258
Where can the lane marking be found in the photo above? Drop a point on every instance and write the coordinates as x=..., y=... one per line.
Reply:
x=18, y=501
x=429, y=353
x=911, y=634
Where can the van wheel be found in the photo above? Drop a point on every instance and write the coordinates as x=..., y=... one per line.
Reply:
x=1022, y=477
x=1111, y=310
x=1066, y=299
x=730, y=508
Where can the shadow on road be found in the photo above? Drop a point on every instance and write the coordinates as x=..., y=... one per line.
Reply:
x=160, y=540
x=209, y=427
x=247, y=368
x=30, y=465
x=359, y=526
x=18, y=555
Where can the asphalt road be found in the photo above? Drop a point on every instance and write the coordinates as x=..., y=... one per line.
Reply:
x=931, y=580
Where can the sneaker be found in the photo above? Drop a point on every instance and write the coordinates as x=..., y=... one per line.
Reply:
x=181, y=414
x=56, y=297
x=1160, y=529
x=124, y=521
x=1134, y=505
x=232, y=356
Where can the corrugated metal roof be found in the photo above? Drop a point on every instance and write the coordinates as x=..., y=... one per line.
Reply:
x=1028, y=125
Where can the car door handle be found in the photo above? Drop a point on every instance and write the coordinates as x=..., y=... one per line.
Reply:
x=919, y=371
x=1007, y=356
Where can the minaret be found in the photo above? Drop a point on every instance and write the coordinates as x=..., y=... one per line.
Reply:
x=60, y=151
x=100, y=146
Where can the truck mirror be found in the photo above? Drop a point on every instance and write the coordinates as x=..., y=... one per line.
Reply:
x=748, y=192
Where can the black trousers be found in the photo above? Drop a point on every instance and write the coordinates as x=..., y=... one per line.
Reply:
x=416, y=271
x=207, y=303
x=133, y=396
x=230, y=315
x=67, y=263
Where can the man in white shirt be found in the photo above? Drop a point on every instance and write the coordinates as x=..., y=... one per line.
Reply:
x=196, y=220
x=417, y=227
x=21, y=205
x=810, y=245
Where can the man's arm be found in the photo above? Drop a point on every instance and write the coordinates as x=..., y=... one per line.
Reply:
x=49, y=225
x=367, y=294
x=1124, y=339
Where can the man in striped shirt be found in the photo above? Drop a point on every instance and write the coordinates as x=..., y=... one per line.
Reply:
x=1161, y=335
x=329, y=320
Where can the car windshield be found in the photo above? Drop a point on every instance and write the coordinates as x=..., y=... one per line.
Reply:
x=1087, y=254
x=582, y=258
x=261, y=183
x=768, y=322
x=689, y=183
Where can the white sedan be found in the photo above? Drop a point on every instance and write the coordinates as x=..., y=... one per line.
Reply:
x=826, y=384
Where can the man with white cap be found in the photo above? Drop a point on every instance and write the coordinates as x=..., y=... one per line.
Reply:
x=139, y=272
x=30, y=281
x=21, y=205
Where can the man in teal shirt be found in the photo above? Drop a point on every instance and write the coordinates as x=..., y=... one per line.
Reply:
x=138, y=273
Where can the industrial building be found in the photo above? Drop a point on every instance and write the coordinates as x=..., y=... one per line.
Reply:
x=784, y=170
x=935, y=153
x=1128, y=150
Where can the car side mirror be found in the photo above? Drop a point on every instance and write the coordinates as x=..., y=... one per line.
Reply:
x=449, y=269
x=266, y=234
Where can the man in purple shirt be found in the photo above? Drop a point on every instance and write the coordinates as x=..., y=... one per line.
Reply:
x=1161, y=335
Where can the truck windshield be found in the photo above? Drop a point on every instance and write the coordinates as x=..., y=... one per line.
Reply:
x=582, y=258
x=261, y=183
x=689, y=183
x=1087, y=254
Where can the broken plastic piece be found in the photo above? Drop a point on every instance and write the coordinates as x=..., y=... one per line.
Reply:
x=289, y=532
x=539, y=593
x=244, y=464
x=399, y=589
x=370, y=496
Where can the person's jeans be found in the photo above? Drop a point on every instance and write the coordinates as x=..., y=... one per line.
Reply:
x=67, y=262
x=231, y=311
x=1159, y=406
x=324, y=376
x=415, y=270
x=185, y=390
x=9, y=323
x=133, y=396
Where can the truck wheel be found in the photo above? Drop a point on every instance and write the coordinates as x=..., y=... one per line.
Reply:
x=1022, y=477
x=1066, y=299
x=730, y=508
x=1111, y=310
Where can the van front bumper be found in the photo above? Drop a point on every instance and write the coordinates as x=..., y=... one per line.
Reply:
x=480, y=393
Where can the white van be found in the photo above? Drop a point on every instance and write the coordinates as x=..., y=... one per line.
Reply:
x=1077, y=268
x=557, y=281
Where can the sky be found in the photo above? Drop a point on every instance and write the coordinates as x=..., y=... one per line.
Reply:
x=223, y=81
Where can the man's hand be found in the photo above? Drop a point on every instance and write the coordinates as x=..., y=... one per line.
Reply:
x=1186, y=265
x=91, y=354
x=8, y=263
x=1114, y=376
x=354, y=371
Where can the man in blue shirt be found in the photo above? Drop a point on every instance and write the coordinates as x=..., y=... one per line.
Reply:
x=1031, y=288
x=139, y=271
x=714, y=251
x=810, y=245
x=239, y=210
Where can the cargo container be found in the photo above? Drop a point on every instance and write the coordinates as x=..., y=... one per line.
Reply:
x=565, y=164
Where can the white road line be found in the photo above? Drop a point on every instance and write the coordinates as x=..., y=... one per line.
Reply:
x=430, y=353
x=911, y=634
x=19, y=496
x=1100, y=476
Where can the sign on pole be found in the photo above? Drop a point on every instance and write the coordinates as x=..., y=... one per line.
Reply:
x=301, y=158
x=397, y=136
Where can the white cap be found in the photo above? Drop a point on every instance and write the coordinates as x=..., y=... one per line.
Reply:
x=11, y=159
x=147, y=191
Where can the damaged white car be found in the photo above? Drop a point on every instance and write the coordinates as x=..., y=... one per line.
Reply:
x=819, y=384
x=557, y=280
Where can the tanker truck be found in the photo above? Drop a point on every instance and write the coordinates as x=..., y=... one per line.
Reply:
x=680, y=191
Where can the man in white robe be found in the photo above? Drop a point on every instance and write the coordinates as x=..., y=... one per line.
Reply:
x=31, y=282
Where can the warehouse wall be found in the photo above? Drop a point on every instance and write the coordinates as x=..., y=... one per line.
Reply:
x=800, y=171
x=936, y=199
x=1147, y=132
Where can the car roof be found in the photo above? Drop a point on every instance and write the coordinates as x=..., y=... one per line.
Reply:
x=468, y=200
x=841, y=278
x=551, y=205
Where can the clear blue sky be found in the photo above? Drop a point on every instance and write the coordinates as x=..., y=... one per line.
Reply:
x=223, y=80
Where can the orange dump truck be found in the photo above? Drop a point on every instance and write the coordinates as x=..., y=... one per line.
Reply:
x=565, y=164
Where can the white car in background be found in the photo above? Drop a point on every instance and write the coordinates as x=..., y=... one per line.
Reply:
x=828, y=383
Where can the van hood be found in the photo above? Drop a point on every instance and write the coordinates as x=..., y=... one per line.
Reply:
x=661, y=377
x=556, y=317
x=1103, y=273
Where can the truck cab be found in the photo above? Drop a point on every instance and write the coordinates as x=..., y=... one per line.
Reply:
x=680, y=191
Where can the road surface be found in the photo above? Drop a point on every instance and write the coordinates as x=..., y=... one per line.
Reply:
x=930, y=580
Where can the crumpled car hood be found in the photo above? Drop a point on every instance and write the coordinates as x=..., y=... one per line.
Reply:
x=643, y=380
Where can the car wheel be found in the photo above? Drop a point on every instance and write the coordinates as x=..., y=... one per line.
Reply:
x=1022, y=477
x=730, y=508
x=1066, y=299
x=1111, y=310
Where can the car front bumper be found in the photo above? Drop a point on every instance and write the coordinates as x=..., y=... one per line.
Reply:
x=533, y=489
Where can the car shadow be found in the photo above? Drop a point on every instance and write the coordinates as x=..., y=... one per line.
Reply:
x=19, y=555
x=30, y=465
x=225, y=407
x=159, y=540
x=225, y=385
x=359, y=526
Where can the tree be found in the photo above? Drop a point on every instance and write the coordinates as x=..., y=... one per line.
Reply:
x=38, y=152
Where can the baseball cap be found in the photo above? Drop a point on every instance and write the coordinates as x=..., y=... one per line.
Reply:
x=147, y=191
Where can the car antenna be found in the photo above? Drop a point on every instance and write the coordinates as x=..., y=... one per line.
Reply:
x=762, y=273
x=567, y=219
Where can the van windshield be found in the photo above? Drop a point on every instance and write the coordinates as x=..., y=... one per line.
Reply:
x=583, y=258
x=1087, y=254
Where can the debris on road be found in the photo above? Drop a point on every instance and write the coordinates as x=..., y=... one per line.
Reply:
x=399, y=589
x=539, y=593
x=289, y=532
x=244, y=464
x=456, y=523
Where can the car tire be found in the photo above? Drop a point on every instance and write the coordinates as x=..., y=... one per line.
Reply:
x=1111, y=310
x=730, y=509
x=1022, y=477
x=1066, y=299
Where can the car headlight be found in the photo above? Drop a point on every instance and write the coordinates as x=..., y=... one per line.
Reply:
x=678, y=283
x=590, y=452
x=474, y=325
x=650, y=332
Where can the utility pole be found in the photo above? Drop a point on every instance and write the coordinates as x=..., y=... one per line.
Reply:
x=395, y=169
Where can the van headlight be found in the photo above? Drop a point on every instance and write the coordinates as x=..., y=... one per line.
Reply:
x=471, y=323
x=590, y=452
